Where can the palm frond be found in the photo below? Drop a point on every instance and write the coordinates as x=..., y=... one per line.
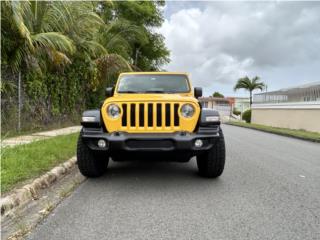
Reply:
x=94, y=49
x=55, y=18
x=113, y=62
x=54, y=40
x=250, y=85
x=125, y=29
x=59, y=58
x=111, y=65
x=242, y=83
x=17, y=10
x=17, y=57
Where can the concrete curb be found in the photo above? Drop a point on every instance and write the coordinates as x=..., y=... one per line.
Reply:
x=31, y=191
x=277, y=133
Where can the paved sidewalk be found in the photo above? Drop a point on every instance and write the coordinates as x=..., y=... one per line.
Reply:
x=39, y=136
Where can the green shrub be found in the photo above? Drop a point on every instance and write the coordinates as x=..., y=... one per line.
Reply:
x=236, y=112
x=247, y=116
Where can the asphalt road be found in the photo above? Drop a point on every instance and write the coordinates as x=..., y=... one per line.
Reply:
x=270, y=190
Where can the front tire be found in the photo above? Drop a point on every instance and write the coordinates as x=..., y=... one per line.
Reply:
x=90, y=164
x=211, y=163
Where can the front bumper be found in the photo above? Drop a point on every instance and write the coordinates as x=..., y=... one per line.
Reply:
x=151, y=142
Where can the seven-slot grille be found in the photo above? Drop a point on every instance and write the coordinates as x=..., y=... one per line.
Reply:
x=150, y=115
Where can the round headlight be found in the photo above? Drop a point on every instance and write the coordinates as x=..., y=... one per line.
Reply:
x=187, y=110
x=113, y=111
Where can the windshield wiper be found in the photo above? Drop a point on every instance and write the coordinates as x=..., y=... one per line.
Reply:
x=128, y=91
x=154, y=91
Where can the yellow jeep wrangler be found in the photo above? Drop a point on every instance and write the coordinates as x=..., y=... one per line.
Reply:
x=153, y=116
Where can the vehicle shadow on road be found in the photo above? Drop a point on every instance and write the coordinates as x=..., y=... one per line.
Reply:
x=153, y=175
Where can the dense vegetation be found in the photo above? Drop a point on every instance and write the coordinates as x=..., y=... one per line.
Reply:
x=67, y=53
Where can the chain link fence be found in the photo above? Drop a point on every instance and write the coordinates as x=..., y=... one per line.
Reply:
x=21, y=114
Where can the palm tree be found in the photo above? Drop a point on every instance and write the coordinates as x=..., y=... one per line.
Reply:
x=249, y=85
x=31, y=36
x=118, y=38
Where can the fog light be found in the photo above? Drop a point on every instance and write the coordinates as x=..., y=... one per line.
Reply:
x=198, y=143
x=102, y=143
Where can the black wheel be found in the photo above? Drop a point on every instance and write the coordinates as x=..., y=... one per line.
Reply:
x=90, y=164
x=116, y=159
x=211, y=163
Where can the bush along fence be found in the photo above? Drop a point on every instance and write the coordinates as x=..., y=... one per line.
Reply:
x=40, y=101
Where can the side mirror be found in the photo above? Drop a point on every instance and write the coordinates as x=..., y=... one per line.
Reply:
x=109, y=91
x=197, y=92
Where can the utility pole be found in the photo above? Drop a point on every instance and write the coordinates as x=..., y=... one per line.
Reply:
x=19, y=101
x=266, y=95
x=136, y=57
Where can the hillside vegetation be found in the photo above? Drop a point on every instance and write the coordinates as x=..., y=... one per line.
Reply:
x=66, y=53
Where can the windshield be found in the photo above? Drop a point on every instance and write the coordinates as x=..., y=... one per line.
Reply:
x=153, y=84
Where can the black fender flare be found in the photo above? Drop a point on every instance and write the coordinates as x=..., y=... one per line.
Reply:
x=95, y=118
x=208, y=112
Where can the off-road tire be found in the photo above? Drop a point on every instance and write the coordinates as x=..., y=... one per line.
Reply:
x=211, y=163
x=90, y=164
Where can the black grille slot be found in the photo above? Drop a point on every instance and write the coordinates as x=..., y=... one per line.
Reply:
x=124, y=115
x=150, y=115
x=176, y=115
x=141, y=115
x=133, y=115
x=159, y=115
x=168, y=115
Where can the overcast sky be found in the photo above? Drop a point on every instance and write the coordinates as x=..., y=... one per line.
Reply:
x=219, y=42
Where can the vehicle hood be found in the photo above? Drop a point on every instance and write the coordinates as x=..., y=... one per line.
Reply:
x=150, y=98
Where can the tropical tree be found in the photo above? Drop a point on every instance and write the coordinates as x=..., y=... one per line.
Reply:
x=218, y=95
x=115, y=37
x=249, y=85
x=35, y=33
x=145, y=48
x=30, y=38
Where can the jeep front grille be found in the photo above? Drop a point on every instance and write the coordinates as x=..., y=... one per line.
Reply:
x=150, y=116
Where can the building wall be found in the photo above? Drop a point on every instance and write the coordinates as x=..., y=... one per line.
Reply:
x=288, y=115
x=220, y=104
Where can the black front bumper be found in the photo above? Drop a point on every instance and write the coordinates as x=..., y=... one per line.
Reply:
x=151, y=142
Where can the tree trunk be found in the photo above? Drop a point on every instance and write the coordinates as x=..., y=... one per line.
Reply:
x=250, y=98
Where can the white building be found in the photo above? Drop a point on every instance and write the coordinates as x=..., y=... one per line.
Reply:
x=294, y=108
x=303, y=93
x=222, y=105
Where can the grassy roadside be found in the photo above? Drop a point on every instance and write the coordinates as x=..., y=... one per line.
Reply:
x=27, y=161
x=301, y=134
